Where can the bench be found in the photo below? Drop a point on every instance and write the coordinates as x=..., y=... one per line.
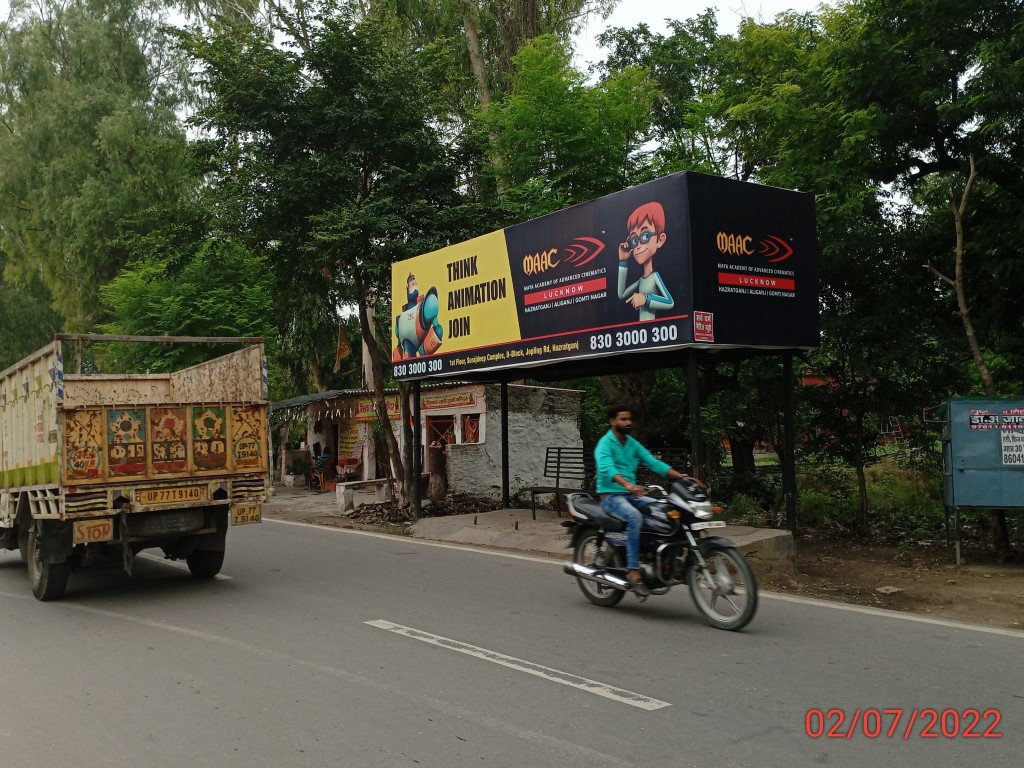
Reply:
x=567, y=467
x=347, y=491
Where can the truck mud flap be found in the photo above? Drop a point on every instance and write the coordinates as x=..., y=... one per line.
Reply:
x=54, y=541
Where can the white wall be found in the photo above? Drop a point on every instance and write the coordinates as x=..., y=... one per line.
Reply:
x=538, y=417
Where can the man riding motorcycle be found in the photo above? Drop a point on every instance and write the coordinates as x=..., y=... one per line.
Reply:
x=618, y=456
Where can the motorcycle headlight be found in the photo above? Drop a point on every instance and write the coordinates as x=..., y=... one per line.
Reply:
x=702, y=509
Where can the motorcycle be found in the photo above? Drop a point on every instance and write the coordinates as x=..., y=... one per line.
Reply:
x=675, y=548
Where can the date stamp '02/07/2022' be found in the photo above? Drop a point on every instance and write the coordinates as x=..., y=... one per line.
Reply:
x=903, y=723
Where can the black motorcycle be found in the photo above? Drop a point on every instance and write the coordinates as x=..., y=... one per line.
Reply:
x=675, y=548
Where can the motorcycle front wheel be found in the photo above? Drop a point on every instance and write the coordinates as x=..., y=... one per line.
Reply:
x=589, y=553
x=729, y=599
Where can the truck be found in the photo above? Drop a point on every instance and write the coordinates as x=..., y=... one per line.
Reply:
x=95, y=466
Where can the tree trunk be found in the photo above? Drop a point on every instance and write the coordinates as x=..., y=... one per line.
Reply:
x=282, y=442
x=1000, y=531
x=318, y=374
x=470, y=14
x=862, y=493
x=634, y=389
x=958, y=284
x=742, y=450
x=377, y=385
x=408, y=447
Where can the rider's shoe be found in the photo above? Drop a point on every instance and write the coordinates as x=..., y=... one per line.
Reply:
x=641, y=590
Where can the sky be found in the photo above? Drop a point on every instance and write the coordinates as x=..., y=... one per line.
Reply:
x=653, y=12
x=629, y=13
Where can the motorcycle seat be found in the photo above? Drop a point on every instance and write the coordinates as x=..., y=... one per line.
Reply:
x=591, y=507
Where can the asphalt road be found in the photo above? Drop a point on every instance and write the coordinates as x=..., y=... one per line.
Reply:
x=327, y=647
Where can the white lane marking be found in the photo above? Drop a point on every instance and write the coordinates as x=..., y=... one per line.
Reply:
x=572, y=751
x=177, y=564
x=809, y=601
x=556, y=676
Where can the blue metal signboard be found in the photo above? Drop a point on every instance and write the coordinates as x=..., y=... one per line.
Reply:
x=983, y=453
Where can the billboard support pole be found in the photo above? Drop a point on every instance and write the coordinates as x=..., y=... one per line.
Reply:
x=789, y=442
x=504, y=446
x=417, y=452
x=692, y=388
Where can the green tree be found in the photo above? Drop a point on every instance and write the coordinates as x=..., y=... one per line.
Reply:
x=933, y=84
x=183, y=280
x=936, y=81
x=329, y=161
x=565, y=141
x=687, y=65
x=27, y=321
x=88, y=93
x=882, y=353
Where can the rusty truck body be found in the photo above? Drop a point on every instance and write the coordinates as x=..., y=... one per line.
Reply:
x=94, y=466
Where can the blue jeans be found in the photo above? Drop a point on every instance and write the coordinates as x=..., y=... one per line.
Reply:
x=626, y=507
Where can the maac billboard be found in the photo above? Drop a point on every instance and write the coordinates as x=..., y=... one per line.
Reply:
x=688, y=260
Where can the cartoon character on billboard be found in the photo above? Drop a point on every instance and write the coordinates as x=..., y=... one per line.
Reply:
x=646, y=226
x=417, y=328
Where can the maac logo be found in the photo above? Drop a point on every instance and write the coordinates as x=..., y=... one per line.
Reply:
x=773, y=247
x=579, y=252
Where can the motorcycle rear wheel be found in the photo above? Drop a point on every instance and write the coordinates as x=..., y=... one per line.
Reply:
x=606, y=556
x=731, y=600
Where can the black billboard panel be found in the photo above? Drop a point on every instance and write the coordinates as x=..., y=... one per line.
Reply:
x=755, y=274
x=686, y=260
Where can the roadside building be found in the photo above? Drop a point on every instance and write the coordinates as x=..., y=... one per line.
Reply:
x=461, y=433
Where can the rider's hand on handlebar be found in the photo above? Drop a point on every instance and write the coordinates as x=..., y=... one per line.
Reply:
x=637, y=490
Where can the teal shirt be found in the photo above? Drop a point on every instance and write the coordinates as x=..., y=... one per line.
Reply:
x=613, y=458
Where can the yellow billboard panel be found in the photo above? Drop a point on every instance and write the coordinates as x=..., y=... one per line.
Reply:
x=457, y=299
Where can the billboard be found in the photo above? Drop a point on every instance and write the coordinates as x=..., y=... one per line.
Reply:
x=688, y=260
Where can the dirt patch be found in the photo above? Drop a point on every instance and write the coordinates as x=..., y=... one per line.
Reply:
x=981, y=591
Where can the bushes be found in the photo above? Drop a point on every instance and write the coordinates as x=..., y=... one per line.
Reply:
x=904, y=500
x=904, y=503
x=763, y=488
x=744, y=509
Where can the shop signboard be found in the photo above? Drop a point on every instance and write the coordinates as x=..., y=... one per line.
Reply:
x=983, y=451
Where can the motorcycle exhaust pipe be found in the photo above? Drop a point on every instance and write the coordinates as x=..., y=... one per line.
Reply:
x=595, y=574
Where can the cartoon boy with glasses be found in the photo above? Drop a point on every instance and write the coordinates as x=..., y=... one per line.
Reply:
x=646, y=227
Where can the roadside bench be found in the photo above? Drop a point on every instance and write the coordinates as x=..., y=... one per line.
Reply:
x=347, y=491
x=568, y=469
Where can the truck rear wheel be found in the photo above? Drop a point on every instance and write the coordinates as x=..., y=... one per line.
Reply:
x=49, y=580
x=205, y=563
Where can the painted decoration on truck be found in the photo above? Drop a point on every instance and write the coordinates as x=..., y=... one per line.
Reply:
x=168, y=428
x=126, y=441
x=83, y=444
x=209, y=438
x=247, y=436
